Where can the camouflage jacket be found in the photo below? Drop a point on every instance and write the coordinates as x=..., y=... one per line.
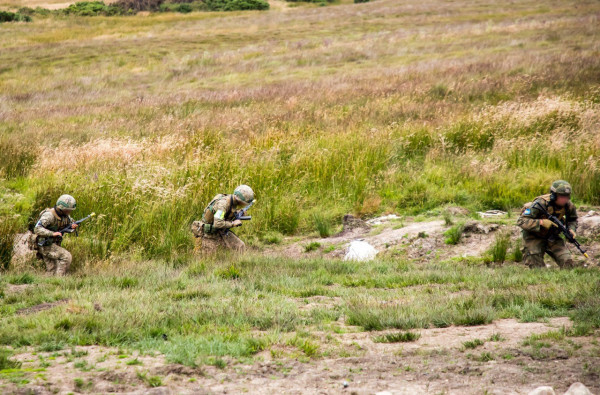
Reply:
x=529, y=220
x=220, y=212
x=51, y=222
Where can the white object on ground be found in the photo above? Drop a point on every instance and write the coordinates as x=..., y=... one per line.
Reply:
x=380, y=220
x=360, y=250
x=492, y=214
x=578, y=389
x=543, y=391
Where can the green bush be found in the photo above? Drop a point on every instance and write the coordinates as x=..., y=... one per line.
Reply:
x=133, y=6
x=92, y=8
x=6, y=16
x=236, y=5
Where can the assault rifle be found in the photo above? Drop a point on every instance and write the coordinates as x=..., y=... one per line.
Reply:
x=563, y=229
x=68, y=229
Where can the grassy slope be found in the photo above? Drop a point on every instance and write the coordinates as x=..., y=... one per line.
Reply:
x=403, y=106
x=365, y=108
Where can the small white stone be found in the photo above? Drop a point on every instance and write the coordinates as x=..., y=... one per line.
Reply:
x=543, y=391
x=360, y=251
x=578, y=389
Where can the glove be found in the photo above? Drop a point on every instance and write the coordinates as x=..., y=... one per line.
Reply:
x=237, y=222
x=547, y=224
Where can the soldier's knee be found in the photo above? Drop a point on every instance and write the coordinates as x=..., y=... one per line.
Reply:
x=66, y=257
x=534, y=260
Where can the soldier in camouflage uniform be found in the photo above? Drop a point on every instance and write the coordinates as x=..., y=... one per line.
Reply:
x=48, y=238
x=219, y=218
x=540, y=235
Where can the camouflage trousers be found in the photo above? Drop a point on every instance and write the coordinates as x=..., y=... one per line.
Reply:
x=56, y=258
x=221, y=240
x=534, y=250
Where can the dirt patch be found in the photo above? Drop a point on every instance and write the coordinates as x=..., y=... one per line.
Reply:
x=40, y=307
x=18, y=288
x=437, y=362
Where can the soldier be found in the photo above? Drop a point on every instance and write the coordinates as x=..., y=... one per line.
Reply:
x=540, y=235
x=219, y=217
x=48, y=239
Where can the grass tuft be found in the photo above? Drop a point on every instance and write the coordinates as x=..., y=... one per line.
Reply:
x=398, y=337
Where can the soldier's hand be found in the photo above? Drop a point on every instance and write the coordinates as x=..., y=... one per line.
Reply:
x=573, y=233
x=547, y=224
x=237, y=222
x=74, y=226
x=57, y=234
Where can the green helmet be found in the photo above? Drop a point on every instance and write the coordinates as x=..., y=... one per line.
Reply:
x=66, y=202
x=561, y=187
x=244, y=193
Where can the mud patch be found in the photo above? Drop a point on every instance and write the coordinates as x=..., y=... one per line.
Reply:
x=40, y=307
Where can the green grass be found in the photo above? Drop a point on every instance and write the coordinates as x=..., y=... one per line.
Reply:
x=470, y=344
x=454, y=234
x=311, y=159
x=312, y=246
x=126, y=114
x=6, y=362
x=263, y=296
x=398, y=337
x=498, y=252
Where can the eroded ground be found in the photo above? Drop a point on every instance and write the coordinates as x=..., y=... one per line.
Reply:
x=440, y=361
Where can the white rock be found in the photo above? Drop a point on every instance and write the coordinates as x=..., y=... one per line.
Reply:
x=492, y=214
x=380, y=220
x=543, y=391
x=578, y=389
x=383, y=393
x=360, y=250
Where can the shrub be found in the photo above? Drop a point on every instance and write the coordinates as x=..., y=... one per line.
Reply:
x=6, y=16
x=236, y=5
x=93, y=8
x=139, y=5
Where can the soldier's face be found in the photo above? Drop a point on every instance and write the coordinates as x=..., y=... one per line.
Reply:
x=561, y=200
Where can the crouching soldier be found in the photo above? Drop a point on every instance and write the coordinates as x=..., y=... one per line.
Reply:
x=219, y=217
x=541, y=235
x=48, y=239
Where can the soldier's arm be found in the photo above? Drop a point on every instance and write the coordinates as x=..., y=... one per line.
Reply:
x=41, y=228
x=220, y=209
x=530, y=219
x=572, y=218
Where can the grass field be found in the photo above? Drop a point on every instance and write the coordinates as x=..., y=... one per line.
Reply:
x=388, y=106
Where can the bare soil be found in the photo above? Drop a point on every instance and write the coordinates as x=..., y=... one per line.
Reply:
x=437, y=362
